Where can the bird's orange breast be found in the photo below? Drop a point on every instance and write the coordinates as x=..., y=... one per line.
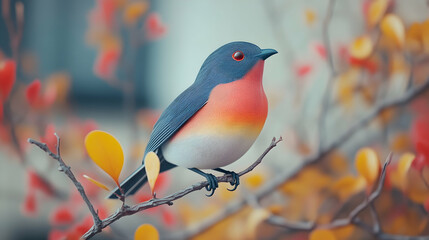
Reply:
x=235, y=108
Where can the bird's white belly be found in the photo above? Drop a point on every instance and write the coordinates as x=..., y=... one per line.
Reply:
x=207, y=151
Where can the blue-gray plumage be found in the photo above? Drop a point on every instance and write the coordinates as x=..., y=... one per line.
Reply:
x=218, y=68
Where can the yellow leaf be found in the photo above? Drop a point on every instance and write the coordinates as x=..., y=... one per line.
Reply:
x=367, y=164
x=324, y=234
x=361, y=47
x=99, y=184
x=376, y=10
x=393, y=28
x=254, y=180
x=414, y=37
x=146, y=232
x=134, y=11
x=106, y=152
x=399, y=176
x=152, y=166
x=348, y=186
x=310, y=16
x=256, y=217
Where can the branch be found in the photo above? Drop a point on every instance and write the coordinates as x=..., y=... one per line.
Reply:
x=126, y=210
x=67, y=170
x=277, y=181
x=333, y=72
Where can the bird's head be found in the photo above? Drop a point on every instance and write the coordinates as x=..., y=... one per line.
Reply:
x=235, y=59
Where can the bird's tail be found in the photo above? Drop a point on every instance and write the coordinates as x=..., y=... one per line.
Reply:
x=137, y=179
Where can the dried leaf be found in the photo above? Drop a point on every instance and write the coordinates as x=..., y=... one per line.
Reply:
x=361, y=47
x=106, y=152
x=152, y=166
x=367, y=164
x=97, y=183
x=393, y=28
x=146, y=232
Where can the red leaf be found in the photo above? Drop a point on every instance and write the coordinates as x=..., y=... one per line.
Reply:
x=33, y=93
x=88, y=126
x=303, y=70
x=29, y=206
x=1, y=111
x=107, y=10
x=106, y=63
x=420, y=130
x=49, y=138
x=320, y=50
x=7, y=78
x=419, y=162
x=168, y=218
x=155, y=29
x=55, y=234
x=61, y=216
x=35, y=181
x=84, y=226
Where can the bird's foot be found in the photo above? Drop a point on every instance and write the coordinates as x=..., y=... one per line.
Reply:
x=213, y=183
x=235, y=178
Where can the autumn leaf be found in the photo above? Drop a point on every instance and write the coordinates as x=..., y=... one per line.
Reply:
x=61, y=216
x=324, y=234
x=367, y=164
x=7, y=78
x=133, y=11
x=146, y=232
x=376, y=11
x=155, y=29
x=152, y=166
x=361, y=47
x=310, y=16
x=97, y=183
x=393, y=28
x=32, y=93
x=106, y=152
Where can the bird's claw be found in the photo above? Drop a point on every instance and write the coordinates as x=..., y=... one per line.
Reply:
x=235, y=181
x=213, y=184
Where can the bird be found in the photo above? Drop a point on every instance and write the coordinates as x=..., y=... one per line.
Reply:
x=214, y=121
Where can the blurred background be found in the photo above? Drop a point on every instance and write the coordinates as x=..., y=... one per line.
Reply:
x=347, y=88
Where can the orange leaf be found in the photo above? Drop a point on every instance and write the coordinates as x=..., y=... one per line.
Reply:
x=254, y=180
x=376, y=10
x=106, y=152
x=99, y=184
x=361, y=47
x=347, y=186
x=146, y=232
x=393, y=28
x=310, y=16
x=324, y=234
x=367, y=164
x=134, y=11
x=152, y=166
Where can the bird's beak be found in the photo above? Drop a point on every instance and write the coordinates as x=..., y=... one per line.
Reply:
x=266, y=53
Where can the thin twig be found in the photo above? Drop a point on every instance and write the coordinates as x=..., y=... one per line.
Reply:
x=280, y=179
x=126, y=210
x=332, y=75
x=308, y=226
x=67, y=170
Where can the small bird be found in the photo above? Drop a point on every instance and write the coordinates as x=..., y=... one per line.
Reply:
x=214, y=121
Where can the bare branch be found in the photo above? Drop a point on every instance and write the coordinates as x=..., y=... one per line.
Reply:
x=126, y=210
x=333, y=72
x=66, y=169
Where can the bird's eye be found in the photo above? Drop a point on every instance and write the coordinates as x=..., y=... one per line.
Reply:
x=238, y=56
